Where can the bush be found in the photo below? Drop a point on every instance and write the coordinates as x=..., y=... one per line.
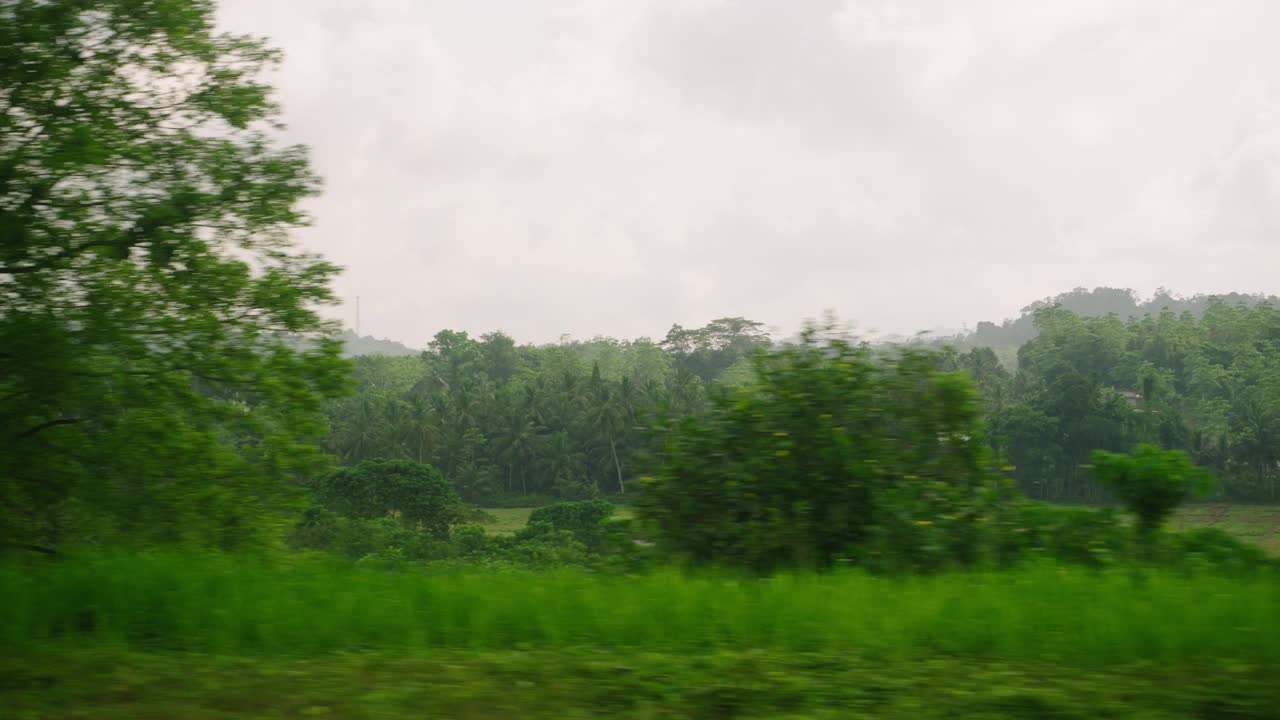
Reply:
x=581, y=518
x=416, y=493
x=1062, y=533
x=355, y=538
x=834, y=453
x=540, y=544
x=1151, y=483
x=1218, y=550
x=471, y=540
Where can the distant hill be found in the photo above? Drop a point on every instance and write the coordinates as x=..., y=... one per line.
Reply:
x=353, y=345
x=1125, y=303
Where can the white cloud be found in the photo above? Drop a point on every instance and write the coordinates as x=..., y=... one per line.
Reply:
x=612, y=167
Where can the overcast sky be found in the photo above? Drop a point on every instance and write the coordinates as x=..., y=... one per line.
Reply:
x=610, y=167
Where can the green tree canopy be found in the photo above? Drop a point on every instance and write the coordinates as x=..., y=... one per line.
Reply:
x=418, y=494
x=1151, y=482
x=147, y=279
x=834, y=452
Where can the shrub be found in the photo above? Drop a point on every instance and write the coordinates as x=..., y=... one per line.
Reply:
x=1063, y=533
x=540, y=544
x=834, y=452
x=471, y=540
x=1151, y=483
x=581, y=518
x=1216, y=549
x=416, y=493
x=355, y=538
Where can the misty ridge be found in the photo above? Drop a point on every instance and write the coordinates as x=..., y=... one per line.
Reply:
x=1004, y=336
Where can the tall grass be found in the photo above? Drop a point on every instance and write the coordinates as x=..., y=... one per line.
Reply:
x=213, y=603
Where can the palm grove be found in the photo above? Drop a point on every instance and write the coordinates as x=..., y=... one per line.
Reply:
x=571, y=419
x=165, y=375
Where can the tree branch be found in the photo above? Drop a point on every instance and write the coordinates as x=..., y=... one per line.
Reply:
x=45, y=426
x=53, y=260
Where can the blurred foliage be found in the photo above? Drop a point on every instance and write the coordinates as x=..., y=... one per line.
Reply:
x=414, y=493
x=601, y=682
x=148, y=285
x=572, y=533
x=583, y=519
x=1151, y=482
x=836, y=452
x=218, y=603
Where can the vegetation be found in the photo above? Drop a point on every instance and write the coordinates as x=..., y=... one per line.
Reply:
x=200, y=474
x=1209, y=386
x=567, y=421
x=1151, y=482
x=834, y=454
x=222, y=604
x=415, y=494
x=599, y=682
x=497, y=419
x=148, y=281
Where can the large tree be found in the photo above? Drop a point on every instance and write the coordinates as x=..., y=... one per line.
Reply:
x=149, y=288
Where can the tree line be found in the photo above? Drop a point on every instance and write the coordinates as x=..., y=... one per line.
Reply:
x=1207, y=384
x=568, y=420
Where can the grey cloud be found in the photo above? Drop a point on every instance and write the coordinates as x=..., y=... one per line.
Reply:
x=615, y=166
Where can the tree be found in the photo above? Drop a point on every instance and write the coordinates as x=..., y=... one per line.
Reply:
x=836, y=451
x=418, y=494
x=710, y=350
x=1151, y=482
x=150, y=296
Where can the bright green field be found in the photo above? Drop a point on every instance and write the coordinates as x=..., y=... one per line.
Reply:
x=208, y=636
x=221, y=604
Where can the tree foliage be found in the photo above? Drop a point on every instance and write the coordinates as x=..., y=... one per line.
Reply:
x=147, y=280
x=500, y=419
x=836, y=452
x=1207, y=385
x=415, y=493
x=1151, y=482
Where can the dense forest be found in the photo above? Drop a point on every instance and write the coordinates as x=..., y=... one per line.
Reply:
x=1098, y=370
x=563, y=420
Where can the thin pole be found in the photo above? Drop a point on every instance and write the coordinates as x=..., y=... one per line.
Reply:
x=357, y=316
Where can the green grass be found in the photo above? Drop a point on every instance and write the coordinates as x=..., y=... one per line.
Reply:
x=220, y=604
x=213, y=636
x=511, y=519
x=594, y=682
x=508, y=520
x=1259, y=524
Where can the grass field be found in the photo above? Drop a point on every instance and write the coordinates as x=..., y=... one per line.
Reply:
x=511, y=519
x=212, y=636
x=1258, y=524
x=601, y=683
x=224, y=604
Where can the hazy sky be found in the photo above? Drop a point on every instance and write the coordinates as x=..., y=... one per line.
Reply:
x=593, y=167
